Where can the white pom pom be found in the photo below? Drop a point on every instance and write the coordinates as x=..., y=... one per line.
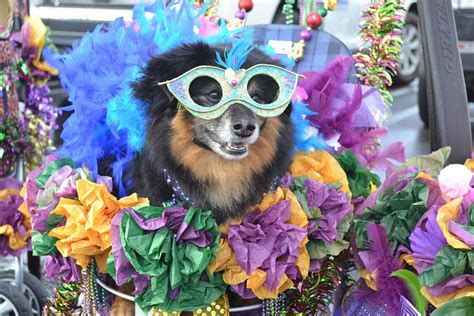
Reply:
x=455, y=180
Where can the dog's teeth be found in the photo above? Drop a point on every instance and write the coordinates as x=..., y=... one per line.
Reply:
x=239, y=146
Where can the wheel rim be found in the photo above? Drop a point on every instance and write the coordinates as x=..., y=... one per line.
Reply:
x=32, y=301
x=410, y=55
x=6, y=307
x=30, y=296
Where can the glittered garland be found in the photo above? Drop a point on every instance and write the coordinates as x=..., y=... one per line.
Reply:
x=40, y=118
x=13, y=140
x=314, y=295
x=64, y=300
x=380, y=34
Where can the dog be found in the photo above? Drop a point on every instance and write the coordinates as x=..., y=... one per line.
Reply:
x=225, y=164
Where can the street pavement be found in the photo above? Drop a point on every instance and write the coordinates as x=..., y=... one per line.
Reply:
x=405, y=124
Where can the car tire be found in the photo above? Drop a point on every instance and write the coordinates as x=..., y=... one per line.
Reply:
x=34, y=291
x=423, y=98
x=469, y=76
x=411, y=53
x=12, y=301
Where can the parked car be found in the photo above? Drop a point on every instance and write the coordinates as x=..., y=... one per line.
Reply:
x=464, y=17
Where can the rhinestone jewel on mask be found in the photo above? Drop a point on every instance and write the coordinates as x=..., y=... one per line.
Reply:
x=234, y=77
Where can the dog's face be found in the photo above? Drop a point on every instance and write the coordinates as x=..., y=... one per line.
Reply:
x=231, y=134
x=224, y=164
x=228, y=136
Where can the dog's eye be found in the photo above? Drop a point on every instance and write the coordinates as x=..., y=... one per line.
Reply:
x=215, y=95
x=258, y=99
x=263, y=89
x=205, y=91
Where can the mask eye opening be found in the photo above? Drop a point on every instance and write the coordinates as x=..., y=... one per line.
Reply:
x=205, y=91
x=263, y=89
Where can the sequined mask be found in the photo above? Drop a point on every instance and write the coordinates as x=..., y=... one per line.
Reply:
x=234, y=86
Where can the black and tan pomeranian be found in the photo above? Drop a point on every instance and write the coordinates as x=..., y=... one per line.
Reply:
x=225, y=164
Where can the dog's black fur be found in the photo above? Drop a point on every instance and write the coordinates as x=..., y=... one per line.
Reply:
x=147, y=170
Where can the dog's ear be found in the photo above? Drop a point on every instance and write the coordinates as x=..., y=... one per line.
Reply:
x=147, y=87
x=166, y=67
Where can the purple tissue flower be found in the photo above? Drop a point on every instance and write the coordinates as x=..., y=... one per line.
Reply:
x=9, y=215
x=334, y=207
x=426, y=240
x=123, y=267
x=64, y=269
x=264, y=241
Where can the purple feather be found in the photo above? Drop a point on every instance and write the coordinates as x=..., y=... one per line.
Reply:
x=380, y=262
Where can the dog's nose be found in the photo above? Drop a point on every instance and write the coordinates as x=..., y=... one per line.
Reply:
x=243, y=128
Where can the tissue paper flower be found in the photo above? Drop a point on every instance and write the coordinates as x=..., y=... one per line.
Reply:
x=267, y=251
x=86, y=232
x=446, y=272
x=64, y=269
x=15, y=227
x=30, y=192
x=319, y=165
x=329, y=212
x=169, y=249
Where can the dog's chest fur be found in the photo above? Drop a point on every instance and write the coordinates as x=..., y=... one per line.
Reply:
x=223, y=183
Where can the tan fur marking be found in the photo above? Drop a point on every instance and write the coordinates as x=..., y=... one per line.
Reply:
x=228, y=179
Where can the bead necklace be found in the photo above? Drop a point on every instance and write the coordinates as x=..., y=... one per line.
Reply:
x=178, y=196
x=95, y=297
x=275, y=307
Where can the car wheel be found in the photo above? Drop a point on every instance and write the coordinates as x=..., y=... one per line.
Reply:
x=469, y=76
x=423, y=98
x=12, y=301
x=411, y=53
x=33, y=290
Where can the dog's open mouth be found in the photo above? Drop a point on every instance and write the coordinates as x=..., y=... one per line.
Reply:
x=236, y=148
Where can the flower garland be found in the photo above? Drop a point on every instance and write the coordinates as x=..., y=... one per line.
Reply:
x=176, y=257
x=376, y=60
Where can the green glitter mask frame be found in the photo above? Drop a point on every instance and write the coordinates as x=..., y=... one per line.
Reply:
x=234, y=89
